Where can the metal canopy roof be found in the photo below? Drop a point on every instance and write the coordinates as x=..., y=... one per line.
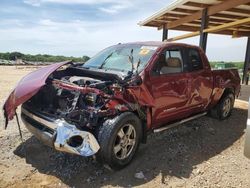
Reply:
x=228, y=17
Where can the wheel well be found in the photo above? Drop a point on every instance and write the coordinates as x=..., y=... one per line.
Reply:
x=144, y=127
x=214, y=112
x=227, y=91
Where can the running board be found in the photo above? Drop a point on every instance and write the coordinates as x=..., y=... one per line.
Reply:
x=179, y=122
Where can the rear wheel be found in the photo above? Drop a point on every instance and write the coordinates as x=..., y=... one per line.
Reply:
x=119, y=140
x=224, y=108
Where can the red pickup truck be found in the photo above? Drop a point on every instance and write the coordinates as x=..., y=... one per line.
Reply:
x=108, y=105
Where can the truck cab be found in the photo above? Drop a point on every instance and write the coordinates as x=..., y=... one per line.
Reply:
x=180, y=81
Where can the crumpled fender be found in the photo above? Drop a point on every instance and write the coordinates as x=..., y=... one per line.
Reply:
x=142, y=95
x=27, y=87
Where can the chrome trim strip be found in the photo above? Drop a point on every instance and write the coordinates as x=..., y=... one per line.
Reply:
x=169, y=109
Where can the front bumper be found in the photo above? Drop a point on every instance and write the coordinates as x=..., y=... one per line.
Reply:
x=59, y=134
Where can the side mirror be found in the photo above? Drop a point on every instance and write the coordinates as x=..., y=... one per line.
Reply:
x=136, y=81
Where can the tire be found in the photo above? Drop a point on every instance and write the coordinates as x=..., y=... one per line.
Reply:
x=119, y=139
x=224, y=108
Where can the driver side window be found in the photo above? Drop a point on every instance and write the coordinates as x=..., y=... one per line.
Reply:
x=169, y=62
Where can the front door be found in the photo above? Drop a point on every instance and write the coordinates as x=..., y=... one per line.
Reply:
x=169, y=87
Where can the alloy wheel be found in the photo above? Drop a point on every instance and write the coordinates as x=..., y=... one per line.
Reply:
x=125, y=141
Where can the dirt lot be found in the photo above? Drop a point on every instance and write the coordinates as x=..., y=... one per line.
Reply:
x=202, y=153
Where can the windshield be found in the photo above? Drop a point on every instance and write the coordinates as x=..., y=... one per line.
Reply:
x=122, y=58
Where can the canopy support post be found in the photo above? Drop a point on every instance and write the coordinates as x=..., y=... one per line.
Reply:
x=164, y=33
x=203, y=35
x=246, y=64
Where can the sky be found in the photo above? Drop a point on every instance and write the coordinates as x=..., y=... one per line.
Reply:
x=84, y=27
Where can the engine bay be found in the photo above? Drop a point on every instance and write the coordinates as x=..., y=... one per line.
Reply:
x=82, y=101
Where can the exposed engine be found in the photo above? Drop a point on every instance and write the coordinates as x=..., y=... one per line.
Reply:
x=81, y=101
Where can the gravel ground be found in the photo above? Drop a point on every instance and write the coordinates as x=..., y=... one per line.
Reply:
x=202, y=153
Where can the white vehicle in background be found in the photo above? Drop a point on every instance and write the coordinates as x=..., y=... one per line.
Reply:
x=247, y=142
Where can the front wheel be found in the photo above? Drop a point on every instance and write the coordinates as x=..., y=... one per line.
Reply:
x=119, y=140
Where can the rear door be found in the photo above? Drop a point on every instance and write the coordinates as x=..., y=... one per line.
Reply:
x=201, y=83
x=169, y=86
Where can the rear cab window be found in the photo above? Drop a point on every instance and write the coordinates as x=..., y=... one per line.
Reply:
x=194, y=59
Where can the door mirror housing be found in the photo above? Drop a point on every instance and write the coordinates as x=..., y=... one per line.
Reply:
x=136, y=81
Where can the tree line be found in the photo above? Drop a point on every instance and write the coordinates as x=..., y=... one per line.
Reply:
x=40, y=57
x=238, y=65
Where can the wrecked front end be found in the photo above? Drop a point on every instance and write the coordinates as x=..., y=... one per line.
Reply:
x=68, y=110
x=59, y=134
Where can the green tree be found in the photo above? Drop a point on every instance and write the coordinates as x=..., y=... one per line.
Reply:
x=15, y=55
x=40, y=57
